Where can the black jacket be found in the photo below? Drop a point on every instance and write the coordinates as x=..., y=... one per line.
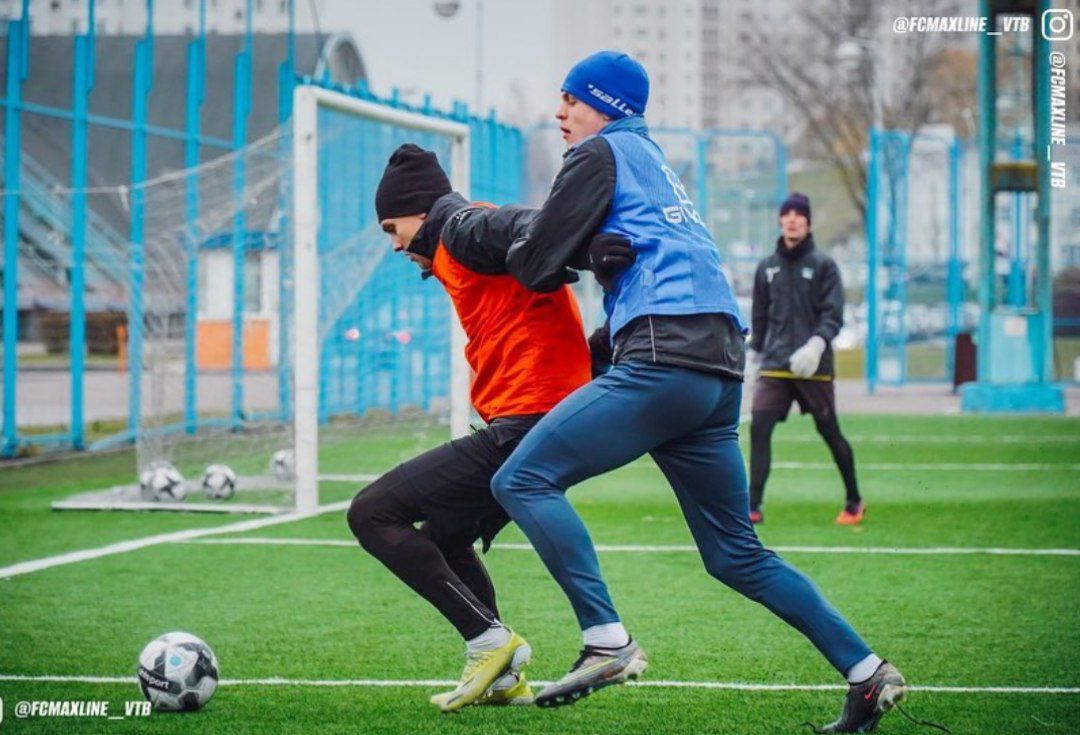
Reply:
x=558, y=238
x=797, y=294
x=476, y=237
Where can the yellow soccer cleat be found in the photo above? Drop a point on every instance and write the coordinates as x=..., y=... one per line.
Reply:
x=509, y=691
x=482, y=669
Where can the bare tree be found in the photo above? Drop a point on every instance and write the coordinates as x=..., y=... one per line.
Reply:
x=834, y=98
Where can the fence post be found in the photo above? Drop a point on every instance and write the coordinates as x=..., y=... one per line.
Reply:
x=83, y=83
x=196, y=58
x=17, y=64
x=241, y=108
x=286, y=85
x=954, y=283
x=872, y=262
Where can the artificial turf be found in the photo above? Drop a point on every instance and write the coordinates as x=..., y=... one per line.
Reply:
x=329, y=612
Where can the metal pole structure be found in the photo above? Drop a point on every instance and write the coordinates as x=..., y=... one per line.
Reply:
x=987, y=83
x=1015, y=289
x=82, y=84
x=876, y=138
x=17, y=65
x=954, y=284
x=196, y=86
x=286, y=84
x=899, y=255
x=873, y=175
x=241, y=108
x=306, y=271
x=144, y=66
x=1043, y=356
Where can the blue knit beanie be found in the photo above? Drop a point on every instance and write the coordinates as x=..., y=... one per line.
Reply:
x=799, y=202
x=610, y=82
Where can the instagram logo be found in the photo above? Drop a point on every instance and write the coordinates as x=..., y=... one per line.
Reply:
x=1057, y=25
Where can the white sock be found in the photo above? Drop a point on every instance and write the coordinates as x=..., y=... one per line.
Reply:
x=494, y=637
x=608, y=635
x=864, y=669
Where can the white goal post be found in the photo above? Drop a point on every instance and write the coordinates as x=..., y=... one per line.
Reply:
x=307, y=101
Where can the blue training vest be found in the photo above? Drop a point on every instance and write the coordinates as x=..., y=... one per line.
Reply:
x=677, y=270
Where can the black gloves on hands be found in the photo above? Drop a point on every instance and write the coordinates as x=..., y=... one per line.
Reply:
x=609, y=256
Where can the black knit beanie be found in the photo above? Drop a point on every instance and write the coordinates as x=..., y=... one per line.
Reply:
x=411, y=184
x=799, y=202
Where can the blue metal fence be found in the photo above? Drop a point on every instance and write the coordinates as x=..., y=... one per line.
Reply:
x=496, y=175
x=916, y=283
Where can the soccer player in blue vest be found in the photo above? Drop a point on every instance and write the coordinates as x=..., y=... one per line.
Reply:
x=677, y=348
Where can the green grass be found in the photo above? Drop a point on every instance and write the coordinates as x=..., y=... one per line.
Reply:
x=323, y=612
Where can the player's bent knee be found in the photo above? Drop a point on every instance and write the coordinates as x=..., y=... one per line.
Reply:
x=363, y=511
x=503, y=484
x=358, y=516
x=723, y=570
x=741, y=574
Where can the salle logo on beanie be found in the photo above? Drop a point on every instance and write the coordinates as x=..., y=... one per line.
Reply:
x=609, y=100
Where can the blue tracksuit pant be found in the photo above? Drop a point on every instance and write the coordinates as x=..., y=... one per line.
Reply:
x=688, y=422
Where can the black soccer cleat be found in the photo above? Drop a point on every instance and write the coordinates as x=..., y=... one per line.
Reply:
x=868, y=701
x=594, y=669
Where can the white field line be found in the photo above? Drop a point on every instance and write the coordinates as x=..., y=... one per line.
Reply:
x=926, y=466
x=874, y=466
x=940, y=439
x=664, y=549
x=660, y=684
x=122, y=547
x=347, y=478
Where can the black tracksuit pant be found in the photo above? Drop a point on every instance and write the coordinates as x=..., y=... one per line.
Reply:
x=448, y=491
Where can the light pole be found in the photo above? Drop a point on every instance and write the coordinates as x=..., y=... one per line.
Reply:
x=850, y=52
x=448, y=9
x=856, y=51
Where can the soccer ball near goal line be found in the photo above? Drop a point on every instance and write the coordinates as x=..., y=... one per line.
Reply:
x=283, y=464
x=163, y=483
x=219, y=482
x=178, y=672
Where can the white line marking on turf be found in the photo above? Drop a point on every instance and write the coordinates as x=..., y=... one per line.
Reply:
x=121, y=547
x=638, y=548
x=348, y=478
x=940, y=439
x=918, y=466
x=732, y=685
x=874, y=466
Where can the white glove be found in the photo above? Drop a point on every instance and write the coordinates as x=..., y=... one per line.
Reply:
x=753, y=368
x=805, y=360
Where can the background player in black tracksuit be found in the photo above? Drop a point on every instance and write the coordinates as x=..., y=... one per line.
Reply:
x=798, y=310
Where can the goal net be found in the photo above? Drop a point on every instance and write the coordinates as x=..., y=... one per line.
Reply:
x=277, y=347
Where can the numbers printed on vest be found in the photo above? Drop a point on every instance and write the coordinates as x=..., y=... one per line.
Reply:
x=685, y=210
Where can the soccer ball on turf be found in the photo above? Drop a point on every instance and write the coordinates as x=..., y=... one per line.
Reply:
x=178, y=672
x=283, y=464
x=162, y=482
x=219, y=482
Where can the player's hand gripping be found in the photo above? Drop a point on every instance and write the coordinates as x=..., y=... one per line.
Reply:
x=609, y=256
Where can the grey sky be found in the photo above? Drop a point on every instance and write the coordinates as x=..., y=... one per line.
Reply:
x=406, y=44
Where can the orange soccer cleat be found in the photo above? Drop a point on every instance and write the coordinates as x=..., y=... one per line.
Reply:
x=851, y=515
